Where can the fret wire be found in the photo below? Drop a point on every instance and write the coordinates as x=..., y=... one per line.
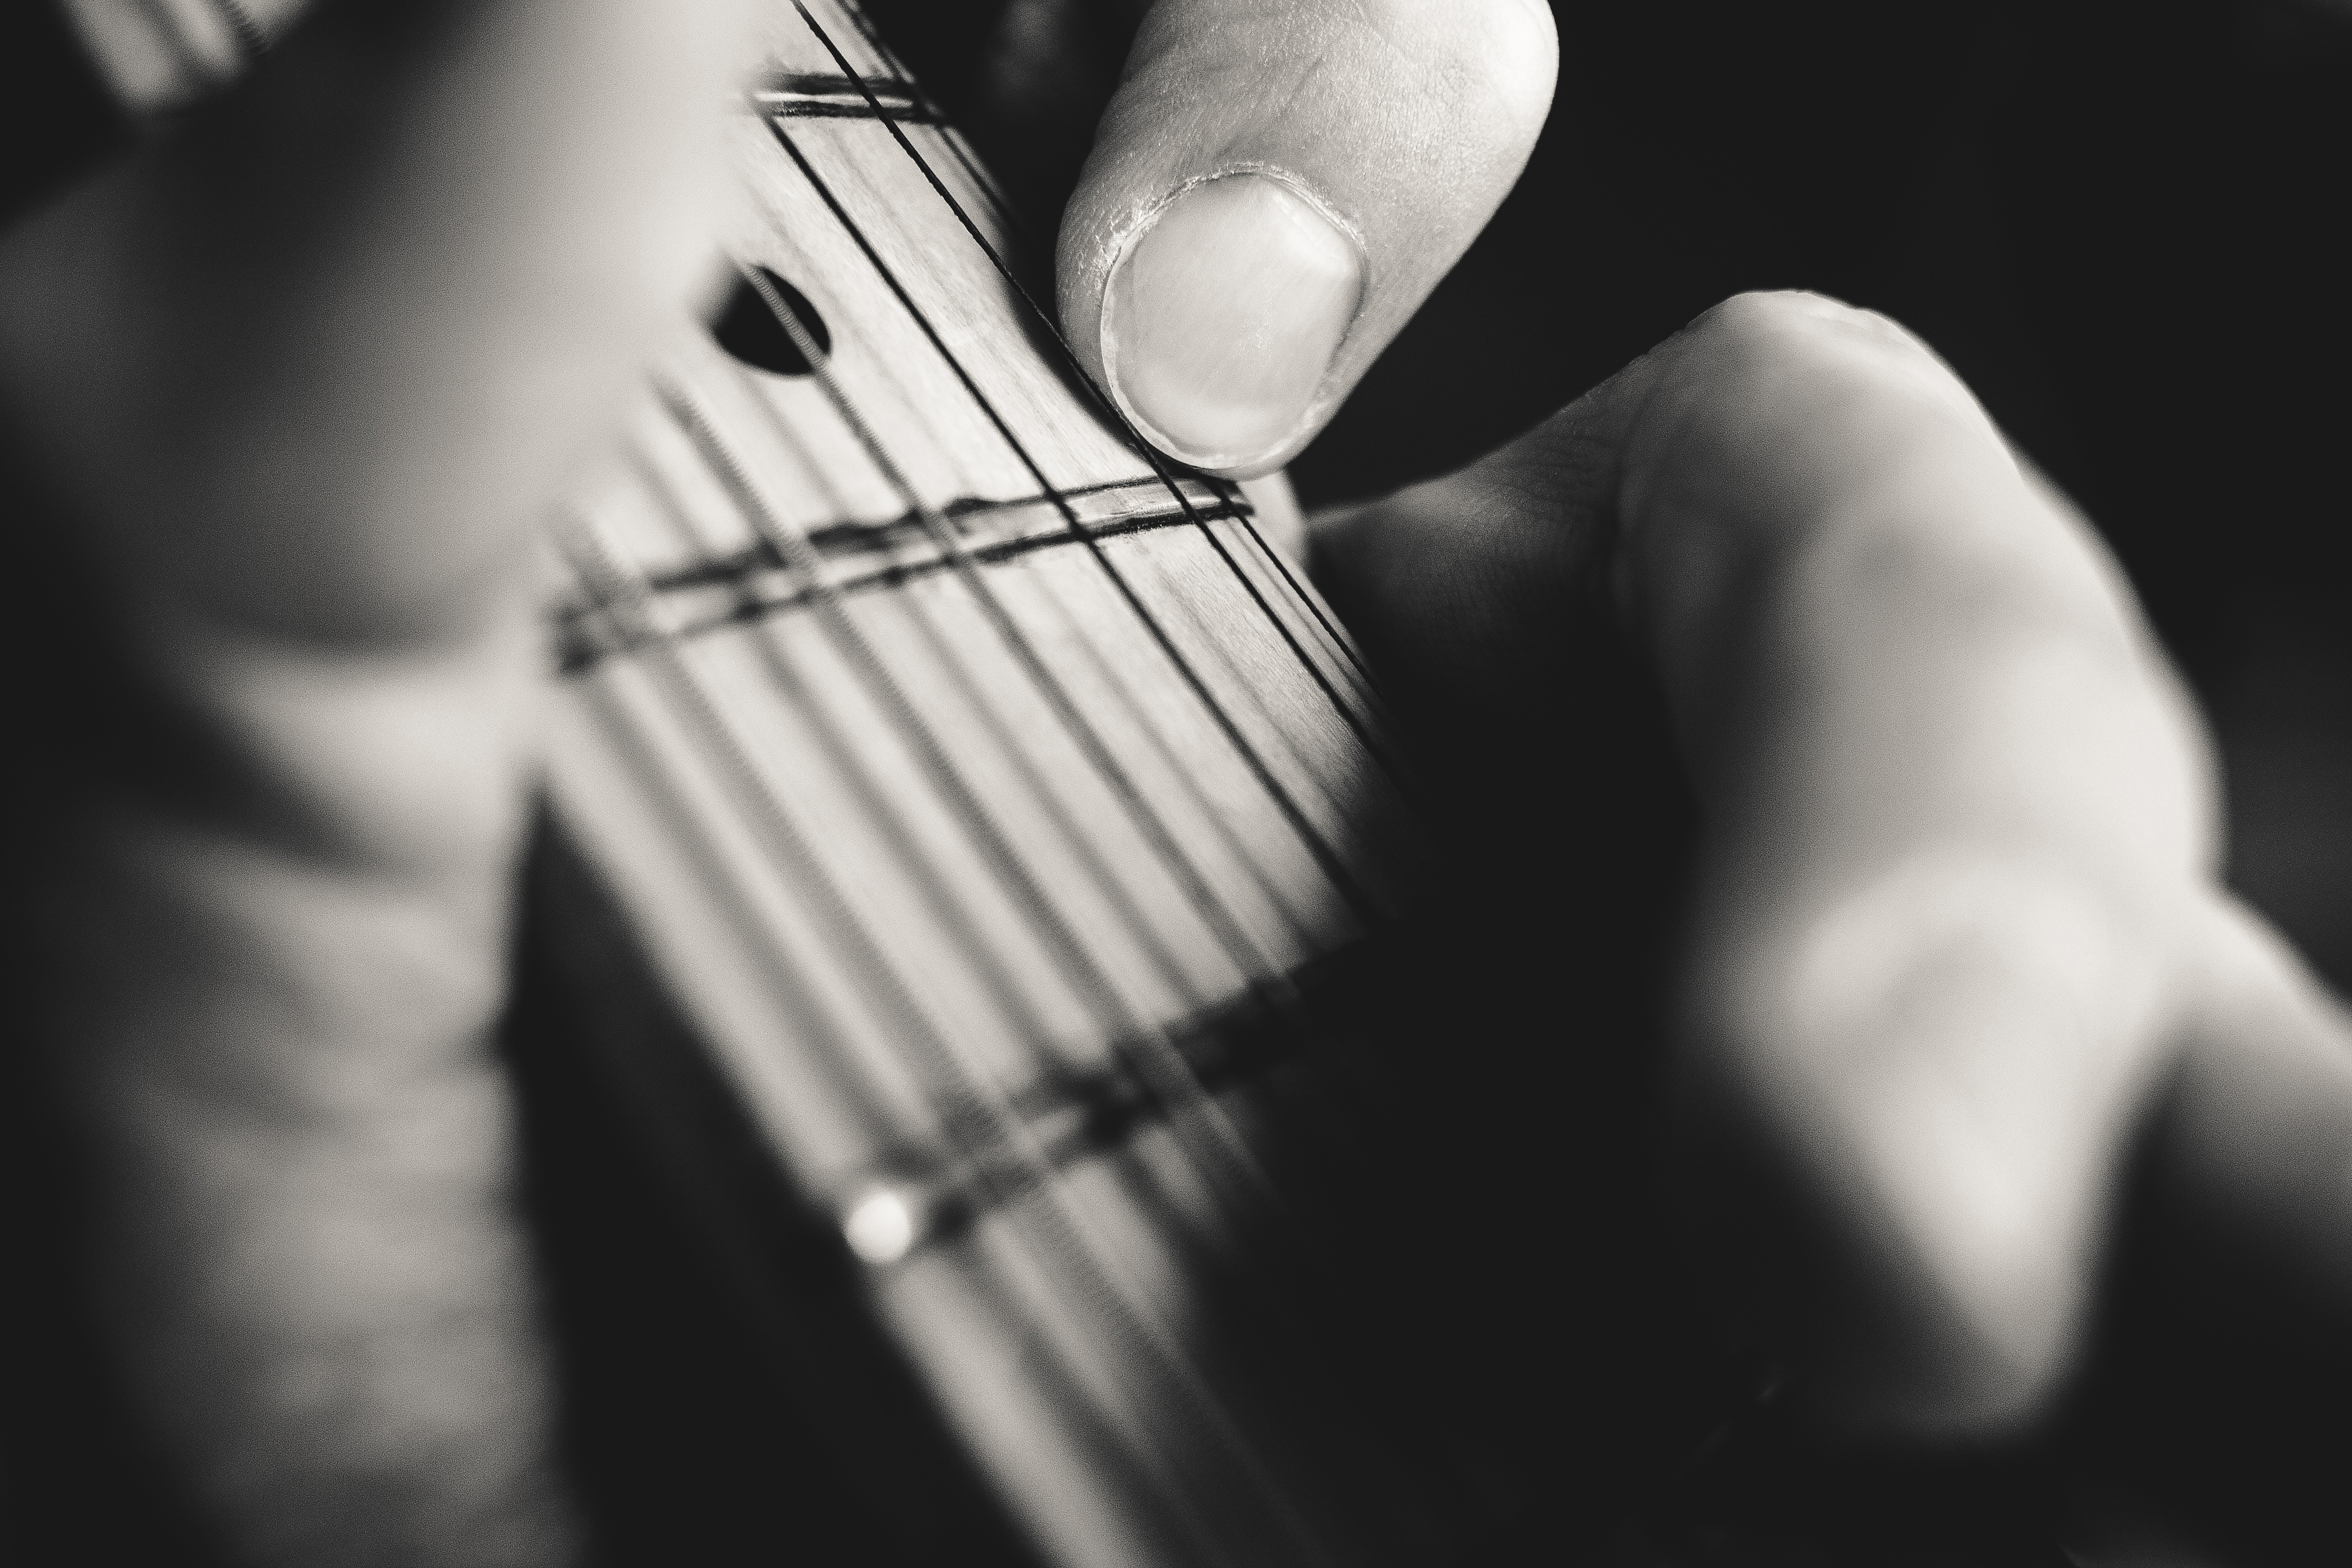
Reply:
x=1196, y=1119
x=1110, y=407
x=735, y=572
x=975, y=1114
x=1265, y=979
x=1343, y=880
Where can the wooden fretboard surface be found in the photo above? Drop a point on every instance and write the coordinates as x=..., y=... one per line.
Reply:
x=981, y=793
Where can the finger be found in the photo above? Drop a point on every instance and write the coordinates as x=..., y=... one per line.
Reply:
x=1960, y=823
x=293, y=382
x=354, y=319
x=1956, y=819
x=1274, y=191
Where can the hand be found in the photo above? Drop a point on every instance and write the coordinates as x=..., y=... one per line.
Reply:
x=1957, y=962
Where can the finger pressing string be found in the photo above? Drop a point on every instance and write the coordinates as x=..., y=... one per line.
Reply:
x=1274, y=191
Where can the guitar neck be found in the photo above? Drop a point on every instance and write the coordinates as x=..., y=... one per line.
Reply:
x=981, y=795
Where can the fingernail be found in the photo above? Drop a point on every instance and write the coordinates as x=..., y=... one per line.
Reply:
x=1222, y=317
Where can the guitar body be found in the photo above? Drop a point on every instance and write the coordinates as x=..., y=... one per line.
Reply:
x=968, y=838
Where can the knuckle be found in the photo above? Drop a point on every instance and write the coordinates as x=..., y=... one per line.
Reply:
x=1779, y=330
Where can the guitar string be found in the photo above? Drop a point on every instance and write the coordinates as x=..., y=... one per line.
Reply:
x=1272, y=1495
x=976, y=171
x=1269, y=982
x=1258, y=972
x=1175, y=1078
x=1199, y=1122
x=1109, y=407
x=1366, y=689
x=1002, y=1152
x=1265, y=979
x=609, y=583
x=1343, y=880
x=1243, y=950
x=953, y=915
x=865, y=789
x=1333, y=639
x=1339, y=1067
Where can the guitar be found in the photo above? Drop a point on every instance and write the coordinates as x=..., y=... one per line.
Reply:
x=984, y=806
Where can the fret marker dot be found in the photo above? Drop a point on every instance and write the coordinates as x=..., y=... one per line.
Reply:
x=879, y=1228
x=747, y=328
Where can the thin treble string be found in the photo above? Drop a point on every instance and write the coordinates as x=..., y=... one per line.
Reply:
x=1367, y=909
x=1109, y=405
x=1371, y=694
x=1240, y=947
x=1273, y=987
x=968, y=1125
x=962, y=927
x=1143, y=1044
x=722, y=874
x=1002, y=1152
x=1256, y=968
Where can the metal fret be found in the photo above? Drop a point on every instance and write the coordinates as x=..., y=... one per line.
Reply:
x=755, y=582
x=814, y=95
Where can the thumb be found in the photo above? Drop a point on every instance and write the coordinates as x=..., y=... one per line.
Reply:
x=1274, y=191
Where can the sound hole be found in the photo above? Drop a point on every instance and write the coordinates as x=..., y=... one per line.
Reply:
x=748, y=329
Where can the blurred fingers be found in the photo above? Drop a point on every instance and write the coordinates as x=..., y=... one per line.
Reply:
x=1958, y=824
x=285, y=393
x=1958, y=821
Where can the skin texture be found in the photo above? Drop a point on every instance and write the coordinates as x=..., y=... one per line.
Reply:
x=294, y=381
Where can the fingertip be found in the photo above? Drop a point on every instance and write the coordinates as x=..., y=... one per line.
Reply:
x=1273, y=192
